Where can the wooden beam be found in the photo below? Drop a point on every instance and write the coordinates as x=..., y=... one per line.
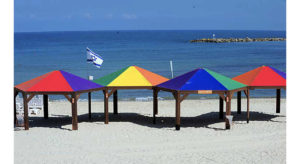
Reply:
x=222, y=96
x=30, y=97
x=155, y=105
x=248, y=104
x=68, y=98
x=77, y=96
x=74, y=112
x=221, y=108
x=278, y=95
x=45, y=103
x=239, y=102
x=183, y=97
x=177, y=124
x=116, y=102
x=246, y=91
x=89, y=105
x=25, y=106
x=111, y=92
x=105, y=92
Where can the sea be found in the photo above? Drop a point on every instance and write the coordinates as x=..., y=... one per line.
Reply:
x=36, y=53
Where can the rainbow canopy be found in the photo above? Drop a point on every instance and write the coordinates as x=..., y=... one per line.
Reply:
x=201, y=79
x=57, y=81
x=263, y=76
x=131, y=76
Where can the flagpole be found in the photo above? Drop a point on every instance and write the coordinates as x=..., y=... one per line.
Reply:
x=87, y=71
x=171, y=66
x=87, y=68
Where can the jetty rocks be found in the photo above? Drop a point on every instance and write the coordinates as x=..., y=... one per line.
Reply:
x=227, y=40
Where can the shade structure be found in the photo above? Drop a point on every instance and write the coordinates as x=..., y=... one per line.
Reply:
x=203, y=81
x=55, y=82
x=131, y=77
x=264, y=77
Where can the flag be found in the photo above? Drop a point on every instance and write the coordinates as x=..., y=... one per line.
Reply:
x=93, y=57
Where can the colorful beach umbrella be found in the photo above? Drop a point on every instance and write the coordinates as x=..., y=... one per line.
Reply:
x=201, y=79
x=57, y=81
x=262, y=76
x=131, y=76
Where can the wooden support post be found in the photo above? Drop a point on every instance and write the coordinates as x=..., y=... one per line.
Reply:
x=221, y=108
x=15, y=108
x=115, y=102
x=105, y=92
x=278, y=100
x=90, y=105
x=155, y=104
x=228, y=109
x=248, y=103
x=45, y=102
x=74, y=111
x=177, y=98
x=239, y=103
x=25, y=106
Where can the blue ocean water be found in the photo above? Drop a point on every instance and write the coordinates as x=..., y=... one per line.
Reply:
x=41, y=52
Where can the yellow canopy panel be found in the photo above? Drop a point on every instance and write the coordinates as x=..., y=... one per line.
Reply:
x=131, y=76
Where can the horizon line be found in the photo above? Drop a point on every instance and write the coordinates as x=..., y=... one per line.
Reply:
x=145, y=30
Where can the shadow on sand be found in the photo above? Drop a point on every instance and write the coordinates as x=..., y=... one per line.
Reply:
x=203, y=120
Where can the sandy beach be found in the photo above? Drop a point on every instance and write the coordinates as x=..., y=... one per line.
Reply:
x=130, y=136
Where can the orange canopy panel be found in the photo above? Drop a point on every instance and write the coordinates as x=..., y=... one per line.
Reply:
x=263, y=76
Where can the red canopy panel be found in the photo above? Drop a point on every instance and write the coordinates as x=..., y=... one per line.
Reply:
x=263, y=76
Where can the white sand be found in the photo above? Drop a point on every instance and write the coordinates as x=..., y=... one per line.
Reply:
x=130, y=137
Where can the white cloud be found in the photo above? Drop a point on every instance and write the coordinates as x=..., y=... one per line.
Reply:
x=87, y=15
x=68, y=16
x=129, y=16
x=109, y=16
x=32, y=16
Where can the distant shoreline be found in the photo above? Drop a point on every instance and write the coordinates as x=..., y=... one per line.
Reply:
x=228, y=40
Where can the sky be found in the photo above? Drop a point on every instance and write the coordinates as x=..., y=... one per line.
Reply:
x=85, y=15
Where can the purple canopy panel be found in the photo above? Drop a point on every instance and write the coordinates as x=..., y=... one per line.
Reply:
x=178, y=82
x=78, y=83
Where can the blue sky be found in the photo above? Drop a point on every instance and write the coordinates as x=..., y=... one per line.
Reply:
x=82, y=15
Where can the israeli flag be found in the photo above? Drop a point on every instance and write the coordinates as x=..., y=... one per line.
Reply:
x=93, y=57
